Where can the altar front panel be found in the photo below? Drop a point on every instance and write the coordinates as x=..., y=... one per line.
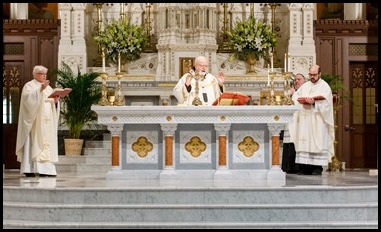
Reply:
x=219, y=142
x=248, y=144
x=141, y=147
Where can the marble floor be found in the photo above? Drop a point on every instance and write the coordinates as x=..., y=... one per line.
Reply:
x=95, y=180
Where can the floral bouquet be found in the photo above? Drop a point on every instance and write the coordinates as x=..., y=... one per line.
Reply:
x=251, y=38
x=122, y=37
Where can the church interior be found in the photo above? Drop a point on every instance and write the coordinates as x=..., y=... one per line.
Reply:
x=154, y=163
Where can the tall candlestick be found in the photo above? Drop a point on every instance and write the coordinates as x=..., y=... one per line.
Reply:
x=285, y=62
x=268, y=75
x=103, y=60
x=119, y=62
x=272, y=62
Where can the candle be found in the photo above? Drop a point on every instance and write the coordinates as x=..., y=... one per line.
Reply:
x=119, y=63
x=103, y=60
x=268, y=75
x=272, y=62
x=285, y=62
x=288, y=62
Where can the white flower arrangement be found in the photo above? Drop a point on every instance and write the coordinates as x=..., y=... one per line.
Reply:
x=251, y=37
x=120, y=36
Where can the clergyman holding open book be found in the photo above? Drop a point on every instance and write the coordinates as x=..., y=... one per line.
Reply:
x=37, y=140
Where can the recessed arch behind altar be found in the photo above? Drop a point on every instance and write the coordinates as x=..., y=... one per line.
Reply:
x=186, y=63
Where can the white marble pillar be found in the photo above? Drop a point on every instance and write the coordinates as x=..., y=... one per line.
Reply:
x=19, y=11
x=354, y=11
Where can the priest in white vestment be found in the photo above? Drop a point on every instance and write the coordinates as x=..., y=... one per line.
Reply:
x=199, y=84
x=288, y=155
x=312, y=130
x=37, y=142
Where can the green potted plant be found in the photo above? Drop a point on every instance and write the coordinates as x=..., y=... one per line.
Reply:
x=251, y=39
x=338, y=88
x=76, y=110
x=120, y=36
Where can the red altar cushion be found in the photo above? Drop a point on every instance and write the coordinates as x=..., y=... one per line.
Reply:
x=230, y=98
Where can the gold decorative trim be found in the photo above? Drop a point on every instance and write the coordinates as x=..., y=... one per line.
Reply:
x=222, y=118
x=169, y=118
x=166, y=84
x=276, y=117
x=195, y=146
x=114, y=118
x=142, y=146
x=248, y=146
x=252, y=78
x=129, y=77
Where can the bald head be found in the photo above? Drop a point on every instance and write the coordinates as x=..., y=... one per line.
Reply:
x=314, y=73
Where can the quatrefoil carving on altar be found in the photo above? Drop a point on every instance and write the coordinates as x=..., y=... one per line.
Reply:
x=195, y=146
x=142, y=146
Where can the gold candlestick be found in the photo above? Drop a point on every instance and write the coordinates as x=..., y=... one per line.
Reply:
x=335, y=164
x=287, y=88
x=103, y=101
x=119, y=99
x=271, y=98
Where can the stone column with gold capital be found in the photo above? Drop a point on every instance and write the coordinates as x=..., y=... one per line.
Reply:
x=222, y=133
x=116, y=130
x=275, y=172
x=274, y=130
x=168, y=131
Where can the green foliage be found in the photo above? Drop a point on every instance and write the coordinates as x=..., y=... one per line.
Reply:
x=336, y=83
x=251, y=37
x=121, y=36
x=77, y=105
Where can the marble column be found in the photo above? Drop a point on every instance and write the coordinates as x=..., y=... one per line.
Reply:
x=116, y=130
x=275, y=172
x=274, y=130
x=222, y=133
x=168, y=131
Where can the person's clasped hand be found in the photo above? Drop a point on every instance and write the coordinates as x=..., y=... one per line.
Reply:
x=44, y=85
x=310, y=100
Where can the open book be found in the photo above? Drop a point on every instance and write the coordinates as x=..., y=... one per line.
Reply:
x=60, y=92
x=302, y=100
x=231, y=99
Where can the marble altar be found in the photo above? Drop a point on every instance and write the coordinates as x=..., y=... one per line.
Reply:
x=187, y=142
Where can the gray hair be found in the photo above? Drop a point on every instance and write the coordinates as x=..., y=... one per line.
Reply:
x=39, y=69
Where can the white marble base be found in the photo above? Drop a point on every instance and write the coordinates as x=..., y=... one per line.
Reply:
x=276, y=173
x=172, y=174
x=133, y=175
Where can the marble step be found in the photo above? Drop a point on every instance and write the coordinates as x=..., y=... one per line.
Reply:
x=97, y=151
x=225, y=212
x=165, y=193
x=22, y=224
x=96, y=158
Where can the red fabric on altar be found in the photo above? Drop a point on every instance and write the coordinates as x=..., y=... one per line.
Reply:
x=230, y=98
